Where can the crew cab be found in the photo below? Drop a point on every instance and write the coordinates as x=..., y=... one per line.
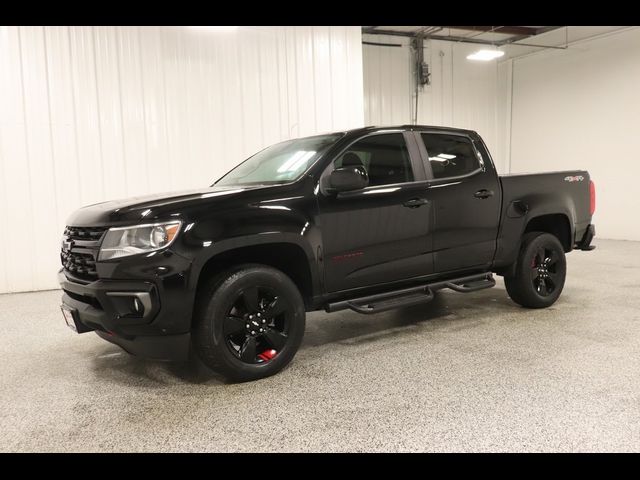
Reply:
x=369, y=219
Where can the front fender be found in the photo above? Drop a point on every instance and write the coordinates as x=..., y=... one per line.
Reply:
x=228, y=245
x=286, y=218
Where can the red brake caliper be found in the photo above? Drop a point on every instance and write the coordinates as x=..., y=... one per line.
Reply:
x=267, y=355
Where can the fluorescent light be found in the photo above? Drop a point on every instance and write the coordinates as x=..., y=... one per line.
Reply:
x=221, y=28
x=442, y=157
x=485, y=55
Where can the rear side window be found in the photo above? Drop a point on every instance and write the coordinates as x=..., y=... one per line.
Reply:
x=450, y=155
x=385, y=158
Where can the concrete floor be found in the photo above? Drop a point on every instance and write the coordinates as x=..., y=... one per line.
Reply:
x=465, y=373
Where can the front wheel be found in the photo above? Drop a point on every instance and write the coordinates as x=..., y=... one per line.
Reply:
x=249, y=322
x=540, y=272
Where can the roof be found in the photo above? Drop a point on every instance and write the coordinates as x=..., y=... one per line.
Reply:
x=410, y=127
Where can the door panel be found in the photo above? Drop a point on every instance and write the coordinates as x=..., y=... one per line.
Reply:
x=466, y=200
x=371, y=236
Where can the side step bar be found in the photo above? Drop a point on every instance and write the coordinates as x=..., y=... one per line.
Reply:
x=407, y=297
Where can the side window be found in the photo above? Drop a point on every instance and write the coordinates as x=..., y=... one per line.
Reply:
x=385, y=158
x=450, y=155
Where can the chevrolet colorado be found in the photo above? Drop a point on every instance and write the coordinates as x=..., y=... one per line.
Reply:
x=368, y=219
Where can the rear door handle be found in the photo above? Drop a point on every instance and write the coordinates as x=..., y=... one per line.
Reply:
x=484, y=193
x=415, y=202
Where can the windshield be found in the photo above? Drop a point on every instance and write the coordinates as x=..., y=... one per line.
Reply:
x=280, y=163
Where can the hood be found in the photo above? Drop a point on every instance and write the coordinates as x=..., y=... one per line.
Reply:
x=148, y=207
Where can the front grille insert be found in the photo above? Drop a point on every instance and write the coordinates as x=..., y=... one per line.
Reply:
x=80, y=247
x=84, y=233
x=81, y=265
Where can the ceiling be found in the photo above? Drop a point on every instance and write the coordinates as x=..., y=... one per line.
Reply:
x=495, y=35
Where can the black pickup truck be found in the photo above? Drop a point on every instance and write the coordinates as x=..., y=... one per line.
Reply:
x=368, y=219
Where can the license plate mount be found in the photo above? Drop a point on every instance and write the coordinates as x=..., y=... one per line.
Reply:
x=71, y=319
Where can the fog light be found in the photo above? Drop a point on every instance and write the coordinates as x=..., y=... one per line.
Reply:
x=130, y=304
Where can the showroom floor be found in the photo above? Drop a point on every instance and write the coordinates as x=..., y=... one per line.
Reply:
x=466, y=372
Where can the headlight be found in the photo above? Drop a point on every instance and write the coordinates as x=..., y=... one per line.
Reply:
x=125, y=241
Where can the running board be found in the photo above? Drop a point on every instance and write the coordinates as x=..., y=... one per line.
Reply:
x=407, y=297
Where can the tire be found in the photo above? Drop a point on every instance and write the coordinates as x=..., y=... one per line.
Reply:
x=254, y=295
x=541, y=269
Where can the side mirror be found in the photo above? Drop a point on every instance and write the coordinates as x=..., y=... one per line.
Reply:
x=345, y=179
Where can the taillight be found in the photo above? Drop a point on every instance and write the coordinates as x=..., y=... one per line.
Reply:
x=592, y=197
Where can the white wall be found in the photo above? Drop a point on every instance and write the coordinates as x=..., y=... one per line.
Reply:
x=95, y=113
x=538, y=110
x=462, y=94
x=580, y=109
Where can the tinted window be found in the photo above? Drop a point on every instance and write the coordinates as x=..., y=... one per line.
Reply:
x=450, y=155
x=385, y=158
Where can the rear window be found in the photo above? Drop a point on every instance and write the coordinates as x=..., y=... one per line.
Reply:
x=450, y=155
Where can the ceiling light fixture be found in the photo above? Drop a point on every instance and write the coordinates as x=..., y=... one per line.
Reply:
x=220, y=28
x=485, y=55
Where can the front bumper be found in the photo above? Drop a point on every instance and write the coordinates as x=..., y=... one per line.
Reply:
x=107, y=307
x=172, y=348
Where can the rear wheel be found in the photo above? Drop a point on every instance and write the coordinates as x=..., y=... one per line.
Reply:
x=249, y=322
x=540, y=271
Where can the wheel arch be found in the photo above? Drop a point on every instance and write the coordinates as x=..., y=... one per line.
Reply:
x=556, y=224
x=290, y=257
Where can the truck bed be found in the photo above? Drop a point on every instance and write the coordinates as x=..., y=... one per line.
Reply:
x=528, y=195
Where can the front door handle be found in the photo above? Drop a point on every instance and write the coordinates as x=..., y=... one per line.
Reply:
x=415, y=202
x=484, y=193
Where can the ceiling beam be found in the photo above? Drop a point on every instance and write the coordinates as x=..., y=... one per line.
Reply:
x=505, y=29
x=515, y=41
x=449, y=38
x=377, y=31
x=453, y=38
x=547, y=29
x=446, y=38
x=521, y=32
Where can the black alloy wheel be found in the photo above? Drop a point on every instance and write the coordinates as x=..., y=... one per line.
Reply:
x=543, y=271
x=539, y=271
x=256, y=326
x=249, y=322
